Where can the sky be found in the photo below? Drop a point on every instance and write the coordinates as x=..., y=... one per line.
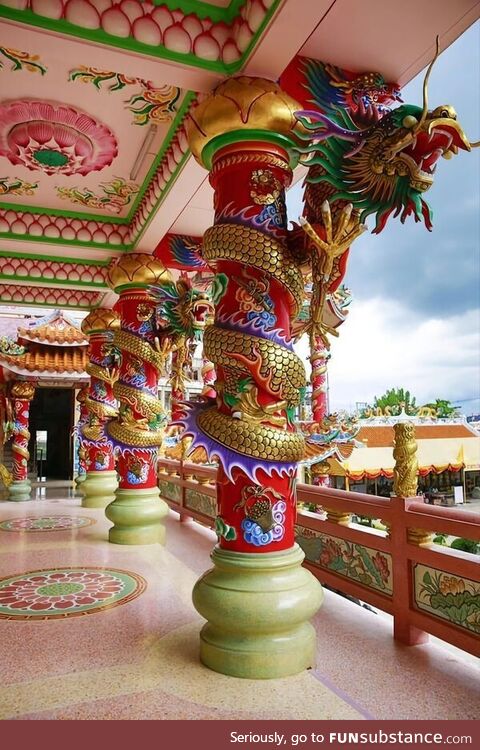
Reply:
x=414, y=321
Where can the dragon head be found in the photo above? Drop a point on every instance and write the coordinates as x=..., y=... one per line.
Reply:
x=384, y=168
x=391, y=163
x=181, y=309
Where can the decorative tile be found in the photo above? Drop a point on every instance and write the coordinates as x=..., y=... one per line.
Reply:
x=66, y=592
x=46, y=523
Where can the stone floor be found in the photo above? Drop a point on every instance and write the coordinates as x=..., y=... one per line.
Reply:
x=124, y=644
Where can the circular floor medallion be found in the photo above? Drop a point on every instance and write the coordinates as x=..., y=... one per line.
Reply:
x=46, y=523
x=66, y=592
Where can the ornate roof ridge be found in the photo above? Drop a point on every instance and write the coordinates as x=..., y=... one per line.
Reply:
x=56, y=329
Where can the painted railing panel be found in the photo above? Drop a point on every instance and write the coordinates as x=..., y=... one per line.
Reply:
x=361, y=563
x=452, y=598
x=427, y=588
x=201, y=502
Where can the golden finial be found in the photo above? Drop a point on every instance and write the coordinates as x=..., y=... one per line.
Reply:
x=406, y=465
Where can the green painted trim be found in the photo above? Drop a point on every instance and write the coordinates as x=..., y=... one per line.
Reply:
x=203, y=9
x=101, y=37
x=60, y=241
x=36, y=281
x=165, y=191
x=253, y=42
x=239, y=136
x=179, y=117
x=54, y=258
x=20, y=207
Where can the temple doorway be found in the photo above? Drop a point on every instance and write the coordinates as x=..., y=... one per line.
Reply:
x=51, y=425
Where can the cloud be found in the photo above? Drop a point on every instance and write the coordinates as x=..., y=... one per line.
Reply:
x=384, y=344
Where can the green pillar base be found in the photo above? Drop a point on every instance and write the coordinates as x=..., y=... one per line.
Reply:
x=137, y=516
x=79, y=479
x=20, y=490
x=257, y=607
x=98, y=489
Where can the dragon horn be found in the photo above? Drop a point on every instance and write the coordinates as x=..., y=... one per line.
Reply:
x=425, y=85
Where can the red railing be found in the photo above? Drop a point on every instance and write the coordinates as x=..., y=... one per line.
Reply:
x=427, y=588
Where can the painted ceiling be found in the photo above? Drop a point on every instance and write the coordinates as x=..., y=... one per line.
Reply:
x=94, y=94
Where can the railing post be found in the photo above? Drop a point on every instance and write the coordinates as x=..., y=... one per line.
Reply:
x=342, y=517
x=184, y=517
x=405, y=488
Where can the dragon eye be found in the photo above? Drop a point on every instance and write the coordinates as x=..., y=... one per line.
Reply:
x=409, y=121
x=445, y=111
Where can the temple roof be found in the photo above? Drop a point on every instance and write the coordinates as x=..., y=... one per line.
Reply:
x=56, y=329
x=382, y=436
x=38, y=361
x=51, y=346
x=440, y=447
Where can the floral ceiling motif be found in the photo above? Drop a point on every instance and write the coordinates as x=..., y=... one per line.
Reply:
x=152, y=104
x=64, y=229
x=97, y=77
x=22, y=60
x=16, y=186
x=54, y=138
x=118, y=193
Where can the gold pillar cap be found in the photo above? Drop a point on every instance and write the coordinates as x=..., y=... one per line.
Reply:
x=23, y=389
x=101, y=319
x=242, y=103
x=137, y=270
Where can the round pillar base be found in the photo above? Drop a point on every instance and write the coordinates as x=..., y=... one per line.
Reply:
x=98, y=489
x=79, y=479
x=137, y=516
x=257, y=607
x=20, y=490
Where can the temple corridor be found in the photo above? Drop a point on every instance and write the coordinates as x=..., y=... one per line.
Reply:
x=136, y=655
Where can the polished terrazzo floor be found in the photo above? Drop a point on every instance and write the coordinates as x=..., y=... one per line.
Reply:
x=90, y=630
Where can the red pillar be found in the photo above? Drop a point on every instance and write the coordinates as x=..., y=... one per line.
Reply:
x=82, y=421
x=137, y=431
x=101, y=481
x=177, y=383
x=318, y=358
x=22, y=393
x=243, y=133
x=208, y=376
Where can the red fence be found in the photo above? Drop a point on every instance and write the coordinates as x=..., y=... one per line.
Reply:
x=426, y=587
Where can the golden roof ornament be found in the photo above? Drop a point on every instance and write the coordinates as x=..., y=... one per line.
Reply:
x=242, y=103
x=101, y=319
x=137, y=270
